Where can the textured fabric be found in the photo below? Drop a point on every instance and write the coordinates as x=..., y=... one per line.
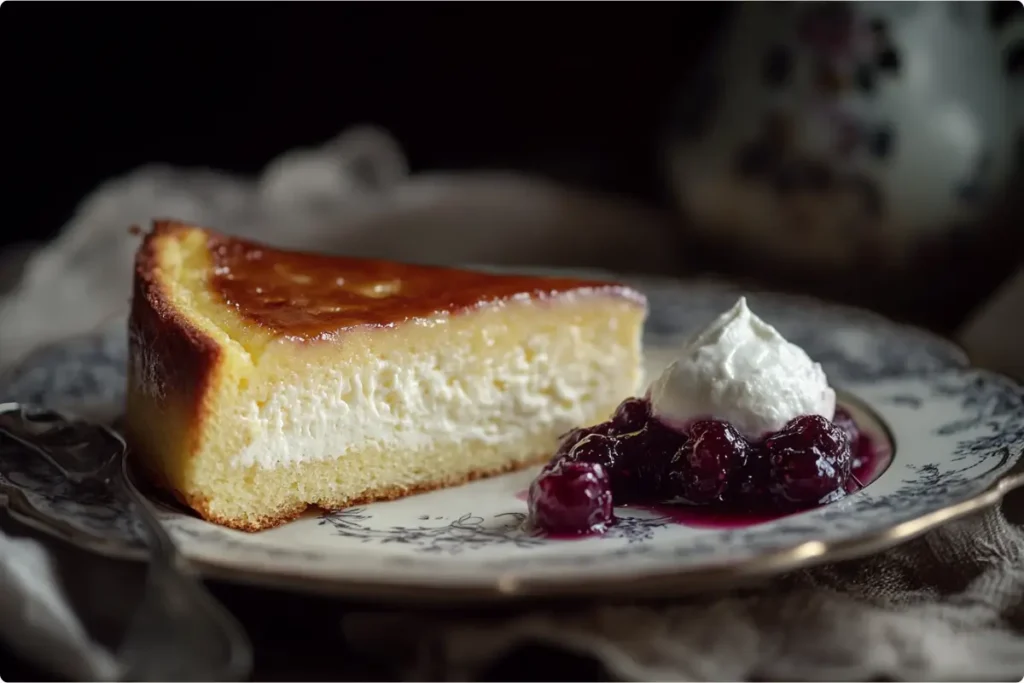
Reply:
x=36, y=618
x=946, y=606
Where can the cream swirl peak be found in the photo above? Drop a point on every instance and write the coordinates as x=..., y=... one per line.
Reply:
x=741, y=370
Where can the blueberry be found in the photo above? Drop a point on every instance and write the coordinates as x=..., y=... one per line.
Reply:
x=641, y=474
x=702, y=469
x=570, y=439
x=631, y=415
x=844, y=421
x=749, y=489
x=809, y=459
x=574, y=436
x=572, y=498
x=595, y=448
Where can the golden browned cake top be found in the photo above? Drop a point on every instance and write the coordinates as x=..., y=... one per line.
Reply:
x=309, y=295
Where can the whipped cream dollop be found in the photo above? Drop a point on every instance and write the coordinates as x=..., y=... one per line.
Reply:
x=741, y=370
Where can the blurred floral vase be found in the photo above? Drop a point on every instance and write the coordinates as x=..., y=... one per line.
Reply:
x=834, y=135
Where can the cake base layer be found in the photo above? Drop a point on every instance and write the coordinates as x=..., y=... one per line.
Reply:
x=328, y=485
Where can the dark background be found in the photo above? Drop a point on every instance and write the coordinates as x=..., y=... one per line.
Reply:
x=576, y=91
x=581, y=92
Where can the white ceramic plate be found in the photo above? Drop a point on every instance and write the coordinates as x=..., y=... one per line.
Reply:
x=957, y=436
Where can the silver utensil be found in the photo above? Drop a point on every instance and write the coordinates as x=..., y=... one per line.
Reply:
x=179, y=631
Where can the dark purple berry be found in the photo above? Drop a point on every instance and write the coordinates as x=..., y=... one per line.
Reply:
x=859, y=445
x=702, y=469
x=574, y=436
x=750, y=487
x=641, y=474
x=631, y=415
x=629, y=469
x=572, y=498
x=809, y=459
x=570, y=439
x=844, y=421
x=595, y=448
x=661, y=440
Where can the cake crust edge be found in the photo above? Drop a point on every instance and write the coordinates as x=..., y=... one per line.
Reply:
x=158, y=331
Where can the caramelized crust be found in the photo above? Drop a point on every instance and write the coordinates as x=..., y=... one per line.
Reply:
x=310, y=296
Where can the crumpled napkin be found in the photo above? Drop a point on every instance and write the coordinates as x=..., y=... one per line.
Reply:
x=37, y=618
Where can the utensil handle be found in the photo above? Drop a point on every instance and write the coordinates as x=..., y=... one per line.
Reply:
x=179, y=631
x=160, y=646
x=161, y=547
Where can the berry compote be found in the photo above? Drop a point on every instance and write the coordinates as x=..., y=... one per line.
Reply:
x=571, y=499
x=635, y=459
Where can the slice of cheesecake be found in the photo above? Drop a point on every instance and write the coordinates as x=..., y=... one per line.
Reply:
x=263, y=381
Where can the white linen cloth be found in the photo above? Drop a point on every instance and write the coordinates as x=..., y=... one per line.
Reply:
x=947, y=606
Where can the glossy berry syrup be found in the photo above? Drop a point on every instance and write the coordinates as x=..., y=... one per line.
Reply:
x=708, y=477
